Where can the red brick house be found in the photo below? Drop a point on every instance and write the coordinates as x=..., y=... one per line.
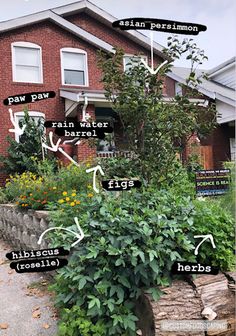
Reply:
x=56, y=50
x=220, y=88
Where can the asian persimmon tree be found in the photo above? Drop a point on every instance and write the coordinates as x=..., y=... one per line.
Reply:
x=156, y=128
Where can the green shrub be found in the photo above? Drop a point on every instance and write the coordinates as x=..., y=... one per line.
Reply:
x=73, y=322
x=130, y=245
x=211, y=218
x=120, y=167
x=3, y=197
x=131, y=242
x=228, y=200
x=21, y=154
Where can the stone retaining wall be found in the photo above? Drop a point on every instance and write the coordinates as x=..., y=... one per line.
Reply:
x=22, y=229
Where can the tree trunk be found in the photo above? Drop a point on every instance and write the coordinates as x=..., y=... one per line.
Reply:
x=186, y=300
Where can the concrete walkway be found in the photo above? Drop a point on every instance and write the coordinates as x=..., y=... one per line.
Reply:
x=26, y=307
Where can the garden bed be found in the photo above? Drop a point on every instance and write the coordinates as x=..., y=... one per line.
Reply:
x=181, y=301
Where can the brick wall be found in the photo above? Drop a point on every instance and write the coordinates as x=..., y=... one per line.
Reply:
x=52, y=38
x=117, y=38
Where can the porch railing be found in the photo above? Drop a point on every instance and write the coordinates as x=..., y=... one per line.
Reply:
x=126, y=154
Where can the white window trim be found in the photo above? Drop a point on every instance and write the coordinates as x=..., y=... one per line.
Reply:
x=26, y=45
x=31, y=114
x=178, y=87
x=78, y=51
x=144, y=57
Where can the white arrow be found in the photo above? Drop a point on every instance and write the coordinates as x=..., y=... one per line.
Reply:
x=16, y=129
x=152, y=53
x=55, y=148
x=79, y=235
x=153, y=72
x=205, y=237
x=68, y=156
x=95, y=169
x=70, y=141
x=85, y=116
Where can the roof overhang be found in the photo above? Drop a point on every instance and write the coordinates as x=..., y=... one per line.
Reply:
x=73, y=98
x=222, y=67
x=201, y=89
x=56, y=15
x=61, y=22
x=108, y=19
x=181, y=80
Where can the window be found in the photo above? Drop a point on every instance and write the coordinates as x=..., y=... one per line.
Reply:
x=131, y=60
x=74, y=67
x=107, y=144
x=27, y=62
x=36, y=116
x=178, y=89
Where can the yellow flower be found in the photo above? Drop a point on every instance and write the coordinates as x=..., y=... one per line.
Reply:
x=90, y=195
x=73, y=194
x=72, y=204
x=54, y=188
x=64, y=193
x=77, y=202
x=31, y=194
x=61, y=201
x=67, y=199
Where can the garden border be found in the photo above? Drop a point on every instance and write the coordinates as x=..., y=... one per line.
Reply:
x=22, y=229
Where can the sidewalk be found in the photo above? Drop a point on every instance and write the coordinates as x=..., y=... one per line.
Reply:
x=26, y=307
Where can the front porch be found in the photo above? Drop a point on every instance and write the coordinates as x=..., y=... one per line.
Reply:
x=85, y=105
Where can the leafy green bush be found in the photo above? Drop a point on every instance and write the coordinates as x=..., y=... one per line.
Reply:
x=3, y=197
x=131, y=242
x=228, y=200
x=21, y=154
x=130, y=245
x=211, y=218
x=120, y=167
x=73, y=322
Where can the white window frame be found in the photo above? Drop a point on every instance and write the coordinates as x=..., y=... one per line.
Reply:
x=30, y=46
x=178, y=89
x=74, y=51
x=144, y=57
x=19, y=115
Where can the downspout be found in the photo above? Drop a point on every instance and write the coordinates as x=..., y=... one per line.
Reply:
x=84, y=117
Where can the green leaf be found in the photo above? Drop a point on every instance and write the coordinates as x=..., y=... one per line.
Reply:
x=154, y=266
x=82, y=283
x=124, y=281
